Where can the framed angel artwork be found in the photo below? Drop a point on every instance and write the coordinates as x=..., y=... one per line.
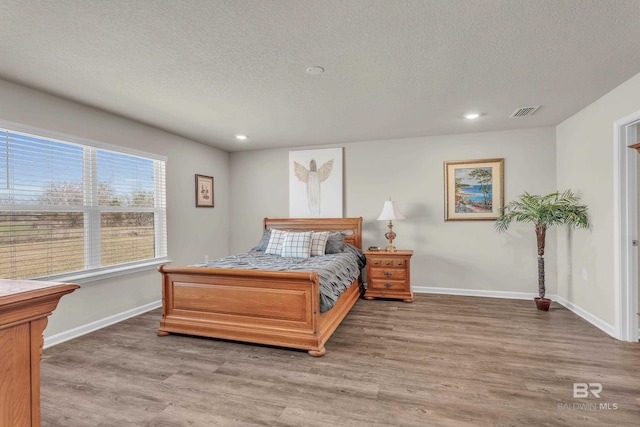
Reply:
x=315, y=183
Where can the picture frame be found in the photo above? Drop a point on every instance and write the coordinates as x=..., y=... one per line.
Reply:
x=316, y=183
x=204, y=191
x=473, y=189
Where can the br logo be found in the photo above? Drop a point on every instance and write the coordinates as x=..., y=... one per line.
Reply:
x=582, y=390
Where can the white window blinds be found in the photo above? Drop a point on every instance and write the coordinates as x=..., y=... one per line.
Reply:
x=67, y=207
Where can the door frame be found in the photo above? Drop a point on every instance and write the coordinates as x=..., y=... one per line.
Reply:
x=626, y=227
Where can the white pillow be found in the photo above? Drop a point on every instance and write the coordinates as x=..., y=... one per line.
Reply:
x=297, y=245
x=276, y=240
x=318, y=242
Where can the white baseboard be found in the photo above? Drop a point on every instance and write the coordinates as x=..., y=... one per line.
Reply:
x=473, y=292
x=595, y=321
x=99, y=324
x=107, y=321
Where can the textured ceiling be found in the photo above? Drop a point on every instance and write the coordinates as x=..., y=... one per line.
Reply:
x=207, y=70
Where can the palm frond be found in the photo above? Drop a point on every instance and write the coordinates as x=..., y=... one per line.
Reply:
x=545, y=211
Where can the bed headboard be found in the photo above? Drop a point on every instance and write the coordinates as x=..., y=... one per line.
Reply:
x=353, y=225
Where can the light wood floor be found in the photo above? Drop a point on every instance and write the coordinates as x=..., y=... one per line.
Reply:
x=441, y=361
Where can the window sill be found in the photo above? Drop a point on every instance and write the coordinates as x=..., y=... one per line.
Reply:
x=107, y=272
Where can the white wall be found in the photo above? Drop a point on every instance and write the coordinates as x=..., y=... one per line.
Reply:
x=459, y=254
x=192, y=232
x=585, y=164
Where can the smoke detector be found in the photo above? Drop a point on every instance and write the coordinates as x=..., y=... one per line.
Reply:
x=315, y=70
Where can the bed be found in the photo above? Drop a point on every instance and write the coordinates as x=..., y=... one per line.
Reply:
x=280, y=308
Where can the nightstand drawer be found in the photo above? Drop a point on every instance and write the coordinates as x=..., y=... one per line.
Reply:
x=393, y=263
x=388, y=273
x=388, y=262
x=388, y=285
x=375, y=262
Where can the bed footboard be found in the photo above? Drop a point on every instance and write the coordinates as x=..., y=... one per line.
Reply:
x=267, y=307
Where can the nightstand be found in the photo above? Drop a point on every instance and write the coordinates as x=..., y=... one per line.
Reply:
x=389, y=275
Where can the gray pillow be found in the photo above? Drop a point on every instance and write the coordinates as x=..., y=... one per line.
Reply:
x=264, y=241
x=335, y=244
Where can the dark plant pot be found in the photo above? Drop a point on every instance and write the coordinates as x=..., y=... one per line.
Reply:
x=542, y=303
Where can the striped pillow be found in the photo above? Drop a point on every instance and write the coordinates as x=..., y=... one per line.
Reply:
x=276, y=240
x=297, y=245
x=318, y=242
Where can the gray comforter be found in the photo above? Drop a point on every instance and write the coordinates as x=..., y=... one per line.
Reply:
x=336, y=271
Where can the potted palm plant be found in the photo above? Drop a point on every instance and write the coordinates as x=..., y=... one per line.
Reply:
x=544, y=212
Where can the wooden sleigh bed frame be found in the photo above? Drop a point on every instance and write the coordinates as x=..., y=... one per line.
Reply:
x=280, y=308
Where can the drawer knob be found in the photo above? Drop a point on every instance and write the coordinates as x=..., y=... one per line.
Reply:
x=387, y=285
x=386, y=273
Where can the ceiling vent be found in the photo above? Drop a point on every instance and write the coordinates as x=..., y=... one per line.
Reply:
x=524, y=112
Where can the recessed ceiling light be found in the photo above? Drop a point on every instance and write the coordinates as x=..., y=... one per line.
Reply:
x=241, y=137
x=315, y=70
x=471, y=116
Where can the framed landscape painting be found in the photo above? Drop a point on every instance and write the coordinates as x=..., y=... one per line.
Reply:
x=473, y=189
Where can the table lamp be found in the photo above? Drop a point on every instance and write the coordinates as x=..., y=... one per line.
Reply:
x=390, y=212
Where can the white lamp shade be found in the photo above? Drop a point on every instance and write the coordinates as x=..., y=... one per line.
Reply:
x=390, y=211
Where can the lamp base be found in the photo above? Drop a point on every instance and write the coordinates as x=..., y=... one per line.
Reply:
x=390, y=235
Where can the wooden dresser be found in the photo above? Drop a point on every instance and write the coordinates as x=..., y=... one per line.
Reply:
x=389, y=275
x=24, y=308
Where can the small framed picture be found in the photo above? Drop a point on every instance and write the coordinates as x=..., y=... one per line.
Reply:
x=204, y=191
x=473, y=189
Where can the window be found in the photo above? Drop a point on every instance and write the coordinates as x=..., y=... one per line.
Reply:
x=67, y=207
